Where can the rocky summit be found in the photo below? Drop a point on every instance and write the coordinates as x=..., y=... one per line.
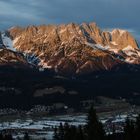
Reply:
x=69, y=48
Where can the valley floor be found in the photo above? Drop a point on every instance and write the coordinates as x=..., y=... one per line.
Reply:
x=42, y=126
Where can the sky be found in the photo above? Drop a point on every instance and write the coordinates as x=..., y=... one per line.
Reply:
x=107, y=14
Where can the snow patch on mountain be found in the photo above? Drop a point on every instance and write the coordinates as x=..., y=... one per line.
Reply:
x=138, y=52
x=9, y=44
x=7, y=41
x=31, y=58
x=129, y=60
x=121, y=32
x=45, y=65
x=97, y=46
x=130, y=52
x=15, y=40
x=128, y=48
x=103, y=48
x=115, y=50
x=114, y=43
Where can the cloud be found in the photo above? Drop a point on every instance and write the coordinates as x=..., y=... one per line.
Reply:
x=107, y=13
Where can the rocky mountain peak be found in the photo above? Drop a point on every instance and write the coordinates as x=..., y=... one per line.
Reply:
x=123, y=38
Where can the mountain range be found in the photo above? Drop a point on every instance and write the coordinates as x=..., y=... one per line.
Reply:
x=68, y=49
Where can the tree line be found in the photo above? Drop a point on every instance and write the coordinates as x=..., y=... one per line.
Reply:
x=94, y=130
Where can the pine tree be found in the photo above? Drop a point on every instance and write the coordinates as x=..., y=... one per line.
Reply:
x=8, y=137
x=61, y=132
x=26, y=137
x=129, y=130
x=80, y=133
x=94, y=128
x=18, y=138
x=67, y=129
x=73, y=133
x=1, y=136
x=137, y=132
x=55, y=137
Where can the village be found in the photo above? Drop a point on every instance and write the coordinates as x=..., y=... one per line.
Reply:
x=40, y=120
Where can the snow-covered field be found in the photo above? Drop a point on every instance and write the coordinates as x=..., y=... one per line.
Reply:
x=43, y=126
x=44, y=122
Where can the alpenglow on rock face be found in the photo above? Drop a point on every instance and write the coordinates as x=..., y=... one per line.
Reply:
x=73, y=48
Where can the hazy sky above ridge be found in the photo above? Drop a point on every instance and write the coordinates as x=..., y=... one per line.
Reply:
x=106, y=13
